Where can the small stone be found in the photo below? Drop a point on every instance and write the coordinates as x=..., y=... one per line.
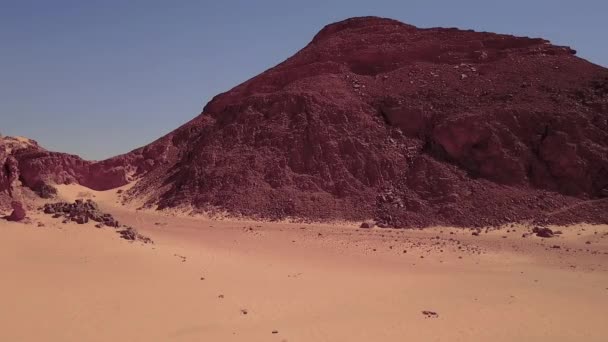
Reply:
x=368, y=224
x=430, y=314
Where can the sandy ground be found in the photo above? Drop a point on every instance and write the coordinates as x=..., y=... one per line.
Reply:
x=206, y=280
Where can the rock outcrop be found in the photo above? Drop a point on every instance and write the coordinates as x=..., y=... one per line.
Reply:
x=82, y=212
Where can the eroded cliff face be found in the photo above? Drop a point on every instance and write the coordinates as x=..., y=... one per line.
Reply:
x=376, y=118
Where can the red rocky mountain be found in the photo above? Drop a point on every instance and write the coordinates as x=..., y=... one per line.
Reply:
x=376, y=118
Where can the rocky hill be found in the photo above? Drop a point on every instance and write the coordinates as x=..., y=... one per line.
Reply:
x=376, y=118
x=24, y=164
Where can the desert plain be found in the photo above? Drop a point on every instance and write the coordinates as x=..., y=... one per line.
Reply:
x=214, y=279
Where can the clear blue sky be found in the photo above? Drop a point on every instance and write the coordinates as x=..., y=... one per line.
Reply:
x=99, y=78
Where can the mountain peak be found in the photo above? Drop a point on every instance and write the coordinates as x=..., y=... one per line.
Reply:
x=358, y=23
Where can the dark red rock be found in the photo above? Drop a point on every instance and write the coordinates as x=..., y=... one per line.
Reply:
x=543, y=232
x=18, y=213
x=430, y=314
x=82, y=219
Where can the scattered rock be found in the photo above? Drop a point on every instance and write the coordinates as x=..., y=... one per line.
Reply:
x=131, y=234
x=430, y=314
x=80, y=212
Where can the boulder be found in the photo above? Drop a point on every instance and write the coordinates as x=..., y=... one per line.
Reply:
x=18, y=213
x=368, y=224
x=543, y=232
x=82, y=219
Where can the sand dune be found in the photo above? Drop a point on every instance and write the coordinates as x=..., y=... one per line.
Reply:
x=207, y=280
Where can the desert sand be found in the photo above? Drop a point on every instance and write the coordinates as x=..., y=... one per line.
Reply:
x=231, y=280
